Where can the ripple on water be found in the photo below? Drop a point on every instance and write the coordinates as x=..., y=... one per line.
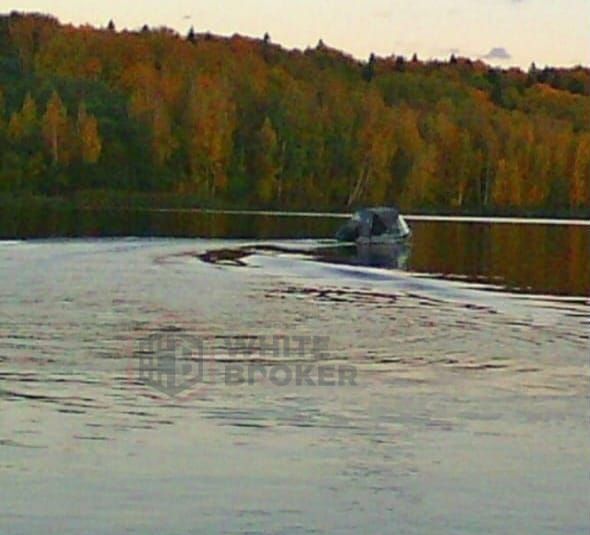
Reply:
x=444, y=367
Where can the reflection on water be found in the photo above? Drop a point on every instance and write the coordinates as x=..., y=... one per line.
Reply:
x=532, y=258
x=43, y=222
x=535, y=258
x=469, y=414
x=392, y=256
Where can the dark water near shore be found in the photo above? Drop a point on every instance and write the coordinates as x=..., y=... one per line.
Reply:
x=538, y=258
x=468, y=412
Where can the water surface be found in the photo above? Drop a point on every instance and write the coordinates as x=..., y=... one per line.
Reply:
x=539, y=258
x=468, y=413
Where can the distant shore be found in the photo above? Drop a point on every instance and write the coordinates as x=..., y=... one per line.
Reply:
x=100, y=118
x=116, y=200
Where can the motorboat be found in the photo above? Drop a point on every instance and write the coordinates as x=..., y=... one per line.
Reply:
x=375, y=226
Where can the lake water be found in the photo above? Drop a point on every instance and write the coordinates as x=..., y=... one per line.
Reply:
x=177, y=372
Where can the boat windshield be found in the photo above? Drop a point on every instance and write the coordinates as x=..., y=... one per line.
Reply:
x=403, y=226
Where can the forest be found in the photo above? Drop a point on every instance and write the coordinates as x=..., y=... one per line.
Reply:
x=237, y=121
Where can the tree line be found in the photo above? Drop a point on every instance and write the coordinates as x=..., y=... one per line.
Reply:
x=243, y=121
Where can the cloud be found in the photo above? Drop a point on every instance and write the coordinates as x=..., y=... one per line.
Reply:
x=497, y=52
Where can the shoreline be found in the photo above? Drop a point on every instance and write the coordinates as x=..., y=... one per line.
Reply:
x=163, y=202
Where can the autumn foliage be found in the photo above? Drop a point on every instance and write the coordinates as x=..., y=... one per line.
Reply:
x=243, y=121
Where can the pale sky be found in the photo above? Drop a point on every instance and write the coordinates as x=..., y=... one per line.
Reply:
x=503, y=32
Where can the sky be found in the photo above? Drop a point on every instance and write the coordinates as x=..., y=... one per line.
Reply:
x=502, y=32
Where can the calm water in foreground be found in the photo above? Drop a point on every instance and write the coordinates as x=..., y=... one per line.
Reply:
x=462, y=407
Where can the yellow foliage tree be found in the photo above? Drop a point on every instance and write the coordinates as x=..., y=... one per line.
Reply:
x=55, y=127
x=580, y=178
x=423, y=176
x=90, y=140
x=375, y=146
x=151, y=98
x=265, y=162
x=24, y=122
x=164, y=143
x=210, y=122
